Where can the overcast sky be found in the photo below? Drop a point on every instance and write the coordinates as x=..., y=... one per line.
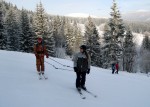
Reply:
x=93, y=7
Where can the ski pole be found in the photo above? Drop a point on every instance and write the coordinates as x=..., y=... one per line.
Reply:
x=57, y=67
x=61, y=63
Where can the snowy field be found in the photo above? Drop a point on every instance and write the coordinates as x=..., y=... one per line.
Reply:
x=20, y=86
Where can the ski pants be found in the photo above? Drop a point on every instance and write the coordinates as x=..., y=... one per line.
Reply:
x=81, y=78
x=40, y=64
x=113, y=70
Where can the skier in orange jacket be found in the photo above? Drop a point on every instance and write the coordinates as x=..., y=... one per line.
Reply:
x=40, y=51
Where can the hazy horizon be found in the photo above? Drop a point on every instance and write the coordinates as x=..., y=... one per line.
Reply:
x=99, y=8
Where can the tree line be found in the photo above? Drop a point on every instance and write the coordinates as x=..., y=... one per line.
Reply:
x=19, y=30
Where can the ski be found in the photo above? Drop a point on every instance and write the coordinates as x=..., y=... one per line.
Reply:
x=89, y=92
x=40, y=77
x=81, y=94
x=45, y=77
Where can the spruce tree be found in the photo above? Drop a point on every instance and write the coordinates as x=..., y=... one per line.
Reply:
x=40, y=21
x=3, y=38
x=57, y=29
x=145, y=54
x=106, y=47
x=146, y=41
x=26, y=40
x=13, y=31
x=92, y=42
x=78, y=37
x=42, y=28
x=70, y=39
x=113, y=37
x=129, y=51
x=50, y=45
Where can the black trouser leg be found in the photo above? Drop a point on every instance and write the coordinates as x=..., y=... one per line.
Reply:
x=113, y=71
x=83, y=79
x=78, y=79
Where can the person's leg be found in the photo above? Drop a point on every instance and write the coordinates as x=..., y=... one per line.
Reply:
x=113, y=71
x=42, y=65
x=78, y=79
x=83, y=76
x=38, y=65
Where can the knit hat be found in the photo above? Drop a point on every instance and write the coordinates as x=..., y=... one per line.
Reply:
x=83, y=47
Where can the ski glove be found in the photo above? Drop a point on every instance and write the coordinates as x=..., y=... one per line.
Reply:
x=47, y=56
x=88, y=71
x=75, y=69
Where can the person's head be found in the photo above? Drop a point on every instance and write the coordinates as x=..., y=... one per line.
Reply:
x=82, y=48
x=39, y=40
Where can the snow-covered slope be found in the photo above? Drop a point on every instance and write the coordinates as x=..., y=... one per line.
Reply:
x=20, y=86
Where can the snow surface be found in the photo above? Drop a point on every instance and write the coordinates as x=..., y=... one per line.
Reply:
x=138, y=39
x=20, y=86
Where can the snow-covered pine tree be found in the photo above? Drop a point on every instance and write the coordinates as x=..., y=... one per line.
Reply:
x=3, y=38
x=13, y=31
x=115, y=33
x=42, y=28
x=56, y=25
x=145, y=54
x=78, y=37
x=92, y=42
x=40, y=21
x=146, y=41
x=106, y=47
x=70, y=39
x=50, y=40
x=129, y=52
x=58, y=31
x=61, y=32
x=26, y=40
x=50, y=44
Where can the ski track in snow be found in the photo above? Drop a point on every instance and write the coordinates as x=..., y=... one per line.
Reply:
x=20, y=86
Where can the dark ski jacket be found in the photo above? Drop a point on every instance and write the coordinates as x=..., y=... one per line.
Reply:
x=81, y=62
x=113, y=66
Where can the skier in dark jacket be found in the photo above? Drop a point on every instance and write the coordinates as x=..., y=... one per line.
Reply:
x=113, y=68
x=82, y=64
